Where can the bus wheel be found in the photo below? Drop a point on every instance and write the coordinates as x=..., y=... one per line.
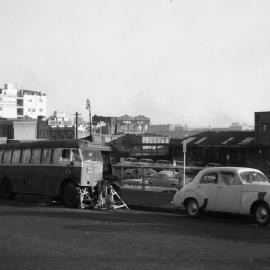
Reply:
x=70, y=195
x=6, y=189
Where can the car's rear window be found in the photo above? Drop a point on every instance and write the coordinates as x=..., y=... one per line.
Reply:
x=253, y=177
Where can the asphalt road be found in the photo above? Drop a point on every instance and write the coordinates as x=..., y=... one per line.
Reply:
x=41, y=237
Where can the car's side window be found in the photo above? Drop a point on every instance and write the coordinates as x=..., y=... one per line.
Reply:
x=209, y=178
x=229, y=178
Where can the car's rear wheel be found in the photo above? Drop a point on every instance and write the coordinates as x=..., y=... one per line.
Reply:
x=192, y=208
x=6, y=189
x=261, y=214
x=70, y=195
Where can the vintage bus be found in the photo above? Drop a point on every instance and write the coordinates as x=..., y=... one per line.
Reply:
x=59, y=169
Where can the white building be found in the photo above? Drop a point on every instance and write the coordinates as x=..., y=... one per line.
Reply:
x=16, y=103
x=8, y=102
x=59, y=119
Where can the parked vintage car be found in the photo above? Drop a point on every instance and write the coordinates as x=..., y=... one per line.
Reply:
x=227, y=189
x=146, y=161
x=138, y=172
x=129, y=160
x=163, y=162
x=163, y=181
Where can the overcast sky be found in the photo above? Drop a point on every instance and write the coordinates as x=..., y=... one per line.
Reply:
x=201, y=63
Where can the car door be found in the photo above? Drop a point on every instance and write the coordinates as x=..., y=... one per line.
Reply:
x=229, y=193
x=207, y=187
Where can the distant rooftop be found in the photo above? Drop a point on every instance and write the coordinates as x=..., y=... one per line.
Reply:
x=222, y=138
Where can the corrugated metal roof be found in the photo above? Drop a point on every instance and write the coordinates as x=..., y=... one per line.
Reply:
x=222, y=138
x=201, y=140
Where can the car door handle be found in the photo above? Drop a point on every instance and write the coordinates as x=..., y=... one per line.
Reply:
x=220, y=187
x=198, y=186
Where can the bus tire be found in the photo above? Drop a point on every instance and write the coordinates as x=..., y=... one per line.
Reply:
x=70, y=195
x=6, y=189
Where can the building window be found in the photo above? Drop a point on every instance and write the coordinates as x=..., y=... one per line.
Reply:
x=40, y=110
x=20, y=111
x=19, y=102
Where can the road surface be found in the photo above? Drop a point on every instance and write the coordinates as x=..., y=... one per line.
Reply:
x=42, y=237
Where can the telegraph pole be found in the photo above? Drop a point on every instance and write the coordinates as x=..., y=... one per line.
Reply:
x=76, y=124
x=184, y=170
x=88, y=107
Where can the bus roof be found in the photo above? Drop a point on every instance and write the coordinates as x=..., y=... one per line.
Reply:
x=56, y=144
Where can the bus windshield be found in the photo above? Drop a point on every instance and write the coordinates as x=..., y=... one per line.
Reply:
x=91, y=155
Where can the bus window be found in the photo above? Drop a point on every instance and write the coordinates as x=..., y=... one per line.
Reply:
x=7, y=156
x=16, y=156
x=1, y=155
x=35, y=157
x=76, y=155
x=26, y=154
x=65, y=155
x=61, y=156
x=46, y=156
x=91, y=155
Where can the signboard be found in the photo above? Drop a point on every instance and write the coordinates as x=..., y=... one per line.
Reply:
x=59, y=123
x=184, y=147
x=8, y=102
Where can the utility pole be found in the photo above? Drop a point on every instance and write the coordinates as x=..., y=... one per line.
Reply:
x=184, y=169
x=88, y=107
x=76, y=124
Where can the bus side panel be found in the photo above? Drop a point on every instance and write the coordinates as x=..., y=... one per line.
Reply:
x=37, y=178
x=18, y=175
x=57, y=174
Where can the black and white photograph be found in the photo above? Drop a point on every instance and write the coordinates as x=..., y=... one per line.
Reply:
x=134, y=134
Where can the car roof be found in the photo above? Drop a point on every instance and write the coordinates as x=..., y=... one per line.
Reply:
x=230, y=169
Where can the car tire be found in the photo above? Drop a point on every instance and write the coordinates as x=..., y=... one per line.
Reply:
x=6, y=189
x=192, y=208
x=261, y=214
x=70, y=195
